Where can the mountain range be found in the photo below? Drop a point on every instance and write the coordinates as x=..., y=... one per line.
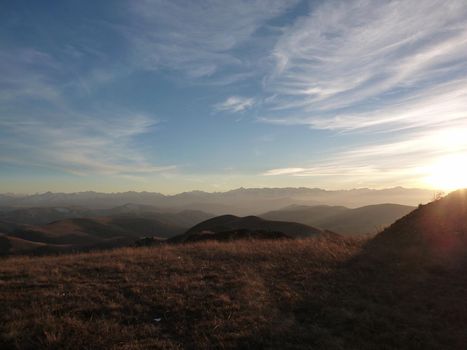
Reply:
x=242, y=201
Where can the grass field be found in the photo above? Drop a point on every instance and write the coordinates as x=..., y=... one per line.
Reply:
x=294, y=294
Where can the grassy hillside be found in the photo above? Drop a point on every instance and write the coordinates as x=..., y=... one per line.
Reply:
x=294, y=294
x=363, y=220
x=434, y=233
x=206, y=294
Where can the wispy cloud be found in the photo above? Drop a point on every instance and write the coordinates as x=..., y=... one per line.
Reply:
x=88, y=145
x=405, y=159
x=41, y=126
x=436, y=106
x=346, y=52
x=390, y=76
x=284, y=171
x=396, y=68
x=199, y=38
x=29, y=74
x=235, y=104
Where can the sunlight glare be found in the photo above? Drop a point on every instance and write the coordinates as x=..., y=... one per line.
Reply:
x=449, y=173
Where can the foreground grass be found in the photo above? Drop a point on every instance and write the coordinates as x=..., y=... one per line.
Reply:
x=296, y=294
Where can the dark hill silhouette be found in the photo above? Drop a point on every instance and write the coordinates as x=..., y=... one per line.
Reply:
x=231, y=226
x=43, y=215
x=84, y=233
x=5, y=245
x=7, y=227
x=363, y=220
x=436, y=231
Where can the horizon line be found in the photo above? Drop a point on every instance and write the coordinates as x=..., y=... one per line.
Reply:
x=231, y=190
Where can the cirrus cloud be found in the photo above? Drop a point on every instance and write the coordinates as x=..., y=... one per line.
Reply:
x=235, y=104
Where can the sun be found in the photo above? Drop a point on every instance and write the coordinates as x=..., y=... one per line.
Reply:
x=448, y=173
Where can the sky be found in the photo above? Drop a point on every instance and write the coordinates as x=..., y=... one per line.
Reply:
x=172, y=96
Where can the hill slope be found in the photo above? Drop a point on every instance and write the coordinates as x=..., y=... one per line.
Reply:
x=84, y=234
x=208, y=295
x=436, y=231
x=367, y=219
x=45, y=215
x=230, y=226
x=307, y=215
x=363, y=220
x=120, y=226
x=42, y=215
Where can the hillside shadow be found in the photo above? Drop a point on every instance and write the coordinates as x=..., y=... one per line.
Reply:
x=377, y=300
x=405, y=289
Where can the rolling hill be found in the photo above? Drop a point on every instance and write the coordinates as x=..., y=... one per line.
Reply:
x=45, y=215
x=85, y=233
x=363, y=220
x=41, y=230
x=41, y=215
x=226, y=227
x=29, y=230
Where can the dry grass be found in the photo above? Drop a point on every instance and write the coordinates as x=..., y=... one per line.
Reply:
x=295, y=294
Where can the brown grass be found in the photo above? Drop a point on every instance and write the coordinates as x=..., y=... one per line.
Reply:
x=299, y=294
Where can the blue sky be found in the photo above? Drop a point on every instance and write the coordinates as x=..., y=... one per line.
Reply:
x=172, y=96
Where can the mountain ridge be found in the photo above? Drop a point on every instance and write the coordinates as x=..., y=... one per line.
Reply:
x=241, y=201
